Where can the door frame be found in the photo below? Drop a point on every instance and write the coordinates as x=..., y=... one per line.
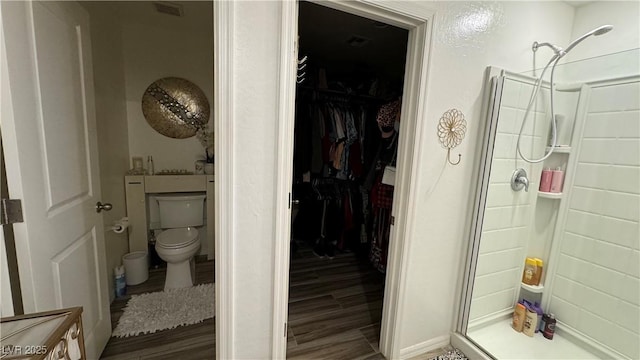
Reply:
x=412, y=133
x=223, y=70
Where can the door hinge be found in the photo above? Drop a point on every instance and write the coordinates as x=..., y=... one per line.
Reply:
x=393, y=220
x=10, y=211
x=286, y=330
x=289, y=200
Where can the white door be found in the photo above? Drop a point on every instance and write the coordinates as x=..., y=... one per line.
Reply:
x=49, y=134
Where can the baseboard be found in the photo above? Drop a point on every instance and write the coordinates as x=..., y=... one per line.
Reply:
x=424, y=347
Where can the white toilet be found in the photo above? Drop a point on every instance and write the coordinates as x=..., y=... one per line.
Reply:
x=179, y=242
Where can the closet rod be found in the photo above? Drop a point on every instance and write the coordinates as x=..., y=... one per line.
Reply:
x=330, y=92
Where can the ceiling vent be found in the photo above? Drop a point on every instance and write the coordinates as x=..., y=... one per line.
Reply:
x=358, y=41
x=168, y=8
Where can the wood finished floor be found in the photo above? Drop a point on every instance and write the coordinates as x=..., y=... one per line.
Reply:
x=335, y=308
x=194, y=342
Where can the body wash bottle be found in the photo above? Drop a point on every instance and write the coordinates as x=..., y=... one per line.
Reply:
x=530, y=322
x=538, y=277
x=519, y=315
x=557, y=179
x=529, y=272
x=545, y=180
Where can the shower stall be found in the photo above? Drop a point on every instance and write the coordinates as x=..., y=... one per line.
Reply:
x=586, y=232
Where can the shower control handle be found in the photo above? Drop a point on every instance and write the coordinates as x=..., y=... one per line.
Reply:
x=519, y=180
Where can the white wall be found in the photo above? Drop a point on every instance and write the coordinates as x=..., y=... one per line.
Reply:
x=111, y=122
x=152, y=52
x=256, y=60
x=468, y=36
x=596, y=288
x=625, y=36
x=623, y=15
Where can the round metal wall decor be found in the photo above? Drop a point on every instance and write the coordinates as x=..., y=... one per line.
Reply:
x=175, y=107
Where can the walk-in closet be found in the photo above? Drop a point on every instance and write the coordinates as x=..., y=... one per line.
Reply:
x=347, y=116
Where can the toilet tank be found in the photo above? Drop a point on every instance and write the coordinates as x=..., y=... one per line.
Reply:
x=178, y=211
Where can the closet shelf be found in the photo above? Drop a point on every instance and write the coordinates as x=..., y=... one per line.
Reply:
x=533, y=288
x=548, y=195
x=560, y=149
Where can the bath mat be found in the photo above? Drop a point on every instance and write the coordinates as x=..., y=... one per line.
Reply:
x=151, y=312
x=451, y=355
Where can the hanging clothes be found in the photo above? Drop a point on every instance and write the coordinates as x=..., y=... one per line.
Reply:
x=382, y=194
x=345, y=145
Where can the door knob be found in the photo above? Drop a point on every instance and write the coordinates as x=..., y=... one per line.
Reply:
x=100, y=206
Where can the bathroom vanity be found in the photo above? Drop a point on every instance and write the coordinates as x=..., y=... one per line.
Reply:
x=137, y=188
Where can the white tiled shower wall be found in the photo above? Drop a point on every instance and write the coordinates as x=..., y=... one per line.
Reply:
x=596, y=288
x=493, y=287
x=507, y=218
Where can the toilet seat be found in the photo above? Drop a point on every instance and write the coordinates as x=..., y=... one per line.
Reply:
x=177, y=238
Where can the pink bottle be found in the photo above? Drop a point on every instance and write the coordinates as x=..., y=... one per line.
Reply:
x=557, y=179
x=545, y=180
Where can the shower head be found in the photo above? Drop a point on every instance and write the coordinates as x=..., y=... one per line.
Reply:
x=556, y=49
x=596, y=32
x=560, y=52
x=602, y=30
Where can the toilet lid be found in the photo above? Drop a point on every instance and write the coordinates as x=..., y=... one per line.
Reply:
x=175, y=238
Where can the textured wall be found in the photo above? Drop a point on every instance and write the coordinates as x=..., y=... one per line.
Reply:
x=154, y=52
x=467, y=37
x=111, y=121
x=256, y=61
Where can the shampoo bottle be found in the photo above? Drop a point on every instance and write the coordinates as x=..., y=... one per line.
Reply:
x=549, y=327
x=529, y=272
x=545, y=180
x=530, y=322
x=518, y=317
x=538, y=277
x=538, y=309
x=545, y=317
x=557, y=179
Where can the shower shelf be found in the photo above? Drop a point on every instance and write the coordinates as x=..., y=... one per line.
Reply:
x=560, y=149
x=533, y=288
x=549, y=195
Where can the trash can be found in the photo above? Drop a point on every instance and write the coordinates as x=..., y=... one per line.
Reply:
x=136, y=267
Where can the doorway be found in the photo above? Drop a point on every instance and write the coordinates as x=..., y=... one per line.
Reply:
x=348, y=103
x=411, y=131
x=110, y=140
x=140, y=31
